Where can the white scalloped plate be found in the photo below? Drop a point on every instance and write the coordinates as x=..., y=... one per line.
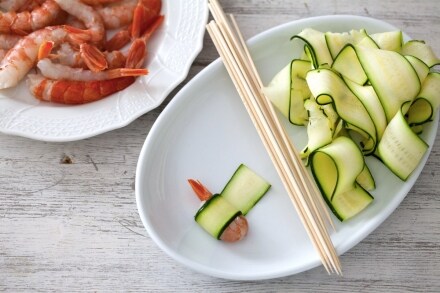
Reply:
x=172, y=50
x=205, y=133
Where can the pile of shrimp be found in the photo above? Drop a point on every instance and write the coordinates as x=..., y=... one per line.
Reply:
x=66, y=42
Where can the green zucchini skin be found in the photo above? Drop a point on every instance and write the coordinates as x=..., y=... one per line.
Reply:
x=215, y=215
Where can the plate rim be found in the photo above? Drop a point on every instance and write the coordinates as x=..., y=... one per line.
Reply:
x=343, y=248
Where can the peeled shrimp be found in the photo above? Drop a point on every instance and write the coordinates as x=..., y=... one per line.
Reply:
x=23, y=56
x=8, y=41
x=75, y=92
x=12, y=5
x=30, y=5
x=237, y=229
x=58, y=71
x=118, y=14
x=27, y=21
x=91, y=19
x=67, y=55
x=98, y=2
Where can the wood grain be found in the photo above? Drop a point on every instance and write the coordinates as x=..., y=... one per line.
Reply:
x=75, y=227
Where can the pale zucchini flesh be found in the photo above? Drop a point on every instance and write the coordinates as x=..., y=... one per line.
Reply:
x=336, y=177
x=327, y=86
x=401, y=149
x=245, y=189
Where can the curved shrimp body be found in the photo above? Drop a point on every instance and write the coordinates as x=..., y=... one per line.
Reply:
x=99, y=2
x=27, y=21
x=118, y=14
x=66, y=55
x=23, y=56
x=8, y=41
x=85, y=13
x=75, y=92
x=58, y=71
x=12, y=5
x=237, y=229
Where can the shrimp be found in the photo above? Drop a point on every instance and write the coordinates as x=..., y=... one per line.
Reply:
x=30, y=5
x=75, y=92
x=137, y=52
x=118, y=14
x=8, y=41
x=23, y=56
x=91, y=19
x=25, y=22
x=145, y=13
x=237, y=229
x=12, y=5
x=2, y=53
x=69, y=56
x=58, y=71
x=98, y=2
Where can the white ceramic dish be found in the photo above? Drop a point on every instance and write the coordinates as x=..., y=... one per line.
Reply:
x=205, y=133
x=172, y=50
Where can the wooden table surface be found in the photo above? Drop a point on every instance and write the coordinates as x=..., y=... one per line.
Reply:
x=75, y=227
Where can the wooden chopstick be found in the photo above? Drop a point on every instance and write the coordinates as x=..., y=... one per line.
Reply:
x=299, y=186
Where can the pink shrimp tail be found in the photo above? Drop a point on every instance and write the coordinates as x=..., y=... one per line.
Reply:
x=78, y=36
x=200, y=190
x=93, y=57
x=122, y=72
x=145, y=13
x=138, y=49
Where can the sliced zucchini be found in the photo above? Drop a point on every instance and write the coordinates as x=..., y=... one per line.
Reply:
x=215, y=215
x=288, y=90
x=350, y=203
x=335, y=176
x=422, y=51
x=428, y=100
x=347, y=63
x=333, y=172
x=371, y=102
x=392, y=77
x=391, y=41
x=316, y=46
x=400, y=148
x=366, y=179
x=337, y=41
x=245, y=189
x=319, y=128
x=419, y=66
x=327, y=86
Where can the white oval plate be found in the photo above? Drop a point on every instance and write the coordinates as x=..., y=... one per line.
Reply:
x=205, y=133
x=171, y=50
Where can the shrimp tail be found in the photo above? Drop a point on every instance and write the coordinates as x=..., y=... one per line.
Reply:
x=93, y=57
x=136, y=54
x=45, y=49
x=121, y=72
x=119, y=40
x=199, y=189
x=144, y=14
x=153, y=27
x=138, y=50
x=77, y=35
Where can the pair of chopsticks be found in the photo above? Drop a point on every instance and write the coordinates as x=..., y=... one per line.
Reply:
x=301, y=189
